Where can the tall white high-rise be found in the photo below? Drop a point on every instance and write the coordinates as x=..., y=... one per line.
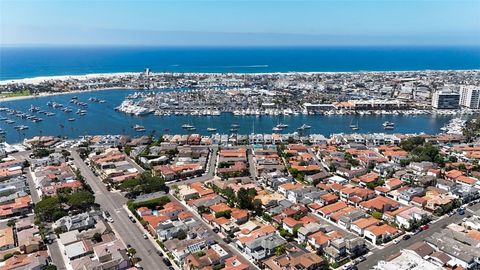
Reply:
x=470, y=96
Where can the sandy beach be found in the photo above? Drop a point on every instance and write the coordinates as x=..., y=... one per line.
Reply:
x=4, y=99
x=37, y=80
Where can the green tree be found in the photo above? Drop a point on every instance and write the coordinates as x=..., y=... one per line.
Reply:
x=11, y=222
x=280, y=250
x=81, y=200
x=377, y=215
x=41, y=152
x=257, y=207
x=7, y=256
x=245, y=198
x=226, y=214
x=49, y=209
x=97, y=237
x=293, y=172
x=181, y=234
x=411, y=143
x=65, y=153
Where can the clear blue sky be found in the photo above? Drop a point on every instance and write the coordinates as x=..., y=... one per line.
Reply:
x=240, y=22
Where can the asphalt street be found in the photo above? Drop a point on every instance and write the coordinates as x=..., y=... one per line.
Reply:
x=113, y=202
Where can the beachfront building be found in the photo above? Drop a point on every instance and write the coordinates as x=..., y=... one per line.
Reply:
x=445, y=100
x=470, y=96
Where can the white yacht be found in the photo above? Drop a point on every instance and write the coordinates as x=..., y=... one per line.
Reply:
x=139, y=128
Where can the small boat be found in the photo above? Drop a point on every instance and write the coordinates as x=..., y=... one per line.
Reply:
x=234, y=126
x=71, y=119
x=388, y=124
x=3, y=118
x=21, y=127
x=211, y=129
x=9, y=121
x=305, y=126
x=187, y=126
x=276, y=129
x=388, y=127
x=139, y=128
x=233, y=130
x=282, y=126
x=2, y=132
x=354, y=127
x=34, y=109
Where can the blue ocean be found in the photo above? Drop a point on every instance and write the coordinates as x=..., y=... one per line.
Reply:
x=26, y=62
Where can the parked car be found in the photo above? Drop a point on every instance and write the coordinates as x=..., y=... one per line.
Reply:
x=461, y=211
x=360, y=259
x=159, y=253
x=145, y=236
x=424, y=227
x=406, y=237
x=396, y=241
x=167, y=261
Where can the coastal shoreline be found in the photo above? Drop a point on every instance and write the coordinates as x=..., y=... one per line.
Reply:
x=7, y=99
x=60, y=78
x=41, y=79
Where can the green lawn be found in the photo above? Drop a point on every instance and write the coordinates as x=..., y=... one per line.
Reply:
x=15, y=94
